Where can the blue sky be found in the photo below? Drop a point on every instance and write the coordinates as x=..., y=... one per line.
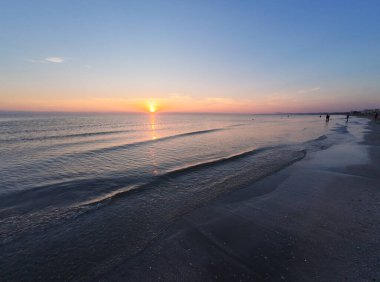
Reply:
x=255, y=56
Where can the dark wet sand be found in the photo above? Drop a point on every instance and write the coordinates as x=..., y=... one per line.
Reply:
x=317, y=220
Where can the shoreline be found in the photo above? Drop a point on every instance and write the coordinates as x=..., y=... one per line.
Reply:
x=317, y=219
x=199, y=235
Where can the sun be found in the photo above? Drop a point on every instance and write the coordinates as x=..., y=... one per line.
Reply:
x=152, y=107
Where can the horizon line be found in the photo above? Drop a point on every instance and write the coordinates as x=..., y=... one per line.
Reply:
x=172, y=112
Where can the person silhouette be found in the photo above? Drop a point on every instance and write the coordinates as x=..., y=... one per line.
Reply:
x=347, y=116
x=327, y=117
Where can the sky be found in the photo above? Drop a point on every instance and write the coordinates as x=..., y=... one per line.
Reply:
x=189, y=56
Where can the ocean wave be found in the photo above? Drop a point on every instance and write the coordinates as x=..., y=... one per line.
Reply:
x=239, y=124
x=174, y=173
x=76, y=188
x=86, y=134
x=62, y=193
x=186, y=170
x=89, y=191
x=144, y=142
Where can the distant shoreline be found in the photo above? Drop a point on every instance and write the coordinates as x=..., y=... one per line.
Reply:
x=184, y=113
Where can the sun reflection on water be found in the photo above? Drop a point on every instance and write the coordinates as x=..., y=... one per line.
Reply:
x=153, y=126
x=152, y=151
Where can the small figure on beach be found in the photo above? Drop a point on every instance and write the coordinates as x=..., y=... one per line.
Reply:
x=347, y=116
x=376, y=115
x=327, y=117
x=320, y=116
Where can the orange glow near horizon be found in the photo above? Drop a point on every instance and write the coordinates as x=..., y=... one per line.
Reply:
x=173, y=103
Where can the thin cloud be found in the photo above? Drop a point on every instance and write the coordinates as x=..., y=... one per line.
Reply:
x=304, y=91
x=48, y=60
x=55, y=60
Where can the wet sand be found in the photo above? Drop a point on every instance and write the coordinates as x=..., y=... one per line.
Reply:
x=316, y=220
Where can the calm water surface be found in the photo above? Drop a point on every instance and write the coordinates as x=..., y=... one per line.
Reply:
x=40, y=150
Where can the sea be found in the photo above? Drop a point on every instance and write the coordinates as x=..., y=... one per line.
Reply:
x=81, y=192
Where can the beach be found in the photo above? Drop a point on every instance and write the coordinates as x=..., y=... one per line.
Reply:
x=316, y=220
x=276, y=199
x=189, y=141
